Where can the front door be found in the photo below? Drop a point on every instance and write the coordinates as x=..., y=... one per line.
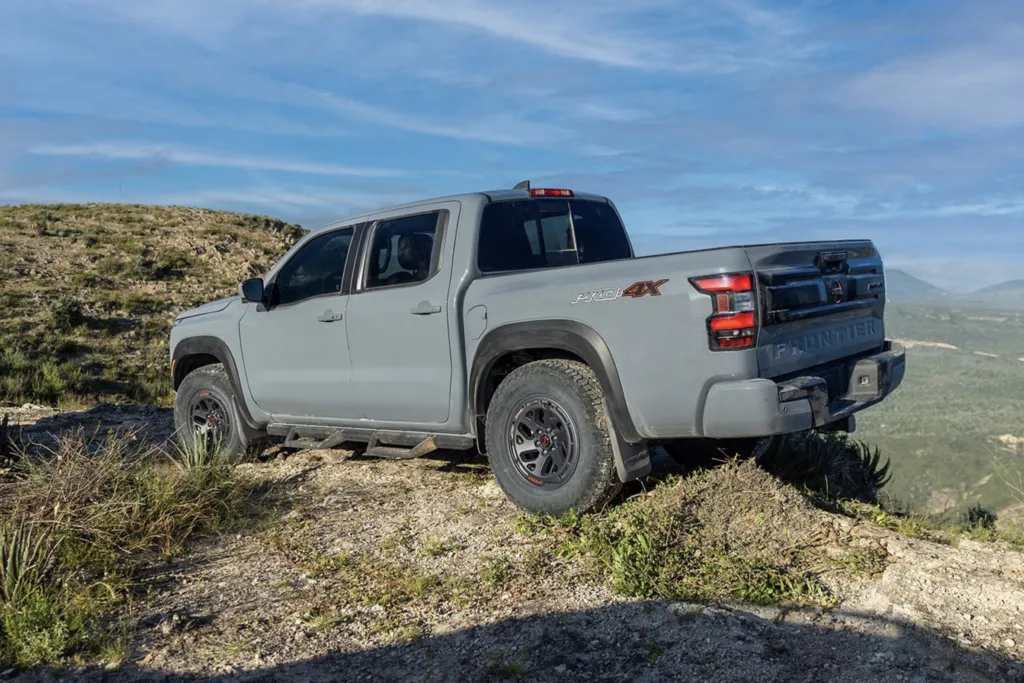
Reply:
x=295, y=350
x=397, y=320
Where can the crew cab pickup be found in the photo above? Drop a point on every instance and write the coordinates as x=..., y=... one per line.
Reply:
x=520, y=322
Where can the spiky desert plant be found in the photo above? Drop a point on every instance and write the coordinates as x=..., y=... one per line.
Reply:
x=27, y=554
x=831, y=464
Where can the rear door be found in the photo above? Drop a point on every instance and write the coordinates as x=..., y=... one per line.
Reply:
x=819, y=302
x=397, y=319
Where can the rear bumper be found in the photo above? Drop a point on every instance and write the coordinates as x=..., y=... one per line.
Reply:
x=762, y=407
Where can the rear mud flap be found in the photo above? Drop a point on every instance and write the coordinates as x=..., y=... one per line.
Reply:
x=632, y=460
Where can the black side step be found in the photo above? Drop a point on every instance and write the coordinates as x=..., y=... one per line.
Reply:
x=398, y=453
x=404, y=443
x=336, y=438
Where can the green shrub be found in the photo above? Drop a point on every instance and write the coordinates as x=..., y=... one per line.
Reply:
x=978, y=517
x=67, y=313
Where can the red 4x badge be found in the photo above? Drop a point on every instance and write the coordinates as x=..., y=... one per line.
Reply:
x=638, y=289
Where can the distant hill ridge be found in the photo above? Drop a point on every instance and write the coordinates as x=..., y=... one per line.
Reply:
x=1008, y=286
x=902, y=286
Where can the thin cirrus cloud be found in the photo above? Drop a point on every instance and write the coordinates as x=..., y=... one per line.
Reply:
x=186, y=157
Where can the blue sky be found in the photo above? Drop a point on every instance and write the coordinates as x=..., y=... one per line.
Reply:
x=711, y=122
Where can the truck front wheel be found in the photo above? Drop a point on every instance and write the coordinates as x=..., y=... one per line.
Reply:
x=548, y=441
x=205, y=409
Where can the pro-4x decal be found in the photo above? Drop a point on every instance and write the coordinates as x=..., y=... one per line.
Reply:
x=634, y=291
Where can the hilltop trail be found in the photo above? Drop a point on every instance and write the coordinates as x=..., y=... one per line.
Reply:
x=284, y=601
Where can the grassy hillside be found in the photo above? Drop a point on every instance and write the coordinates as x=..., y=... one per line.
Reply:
x=961, y=393
x=88, y=292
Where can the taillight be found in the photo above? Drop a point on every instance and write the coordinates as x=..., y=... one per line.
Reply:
x=733, y=324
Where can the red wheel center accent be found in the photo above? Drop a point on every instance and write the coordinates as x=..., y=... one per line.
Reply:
x=545, y=441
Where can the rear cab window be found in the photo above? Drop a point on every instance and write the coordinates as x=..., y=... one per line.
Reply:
x=524, y=234
x=404, y=251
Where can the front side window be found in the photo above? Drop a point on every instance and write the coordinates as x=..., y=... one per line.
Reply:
x=544, y=233
x=316, y=269
x=402, y=251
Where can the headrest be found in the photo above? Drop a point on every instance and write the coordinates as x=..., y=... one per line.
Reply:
x=414, y=251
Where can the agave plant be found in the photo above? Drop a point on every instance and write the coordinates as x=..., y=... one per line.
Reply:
x=27, y=554
x=831, y=464
x=196, y=451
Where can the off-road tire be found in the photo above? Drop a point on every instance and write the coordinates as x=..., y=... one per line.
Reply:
x=574, y=386
x=241, y=441
x=706, y=452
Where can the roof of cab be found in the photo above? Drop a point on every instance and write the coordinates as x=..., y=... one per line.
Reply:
x=490, y=195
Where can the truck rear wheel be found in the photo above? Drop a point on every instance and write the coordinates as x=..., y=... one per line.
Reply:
x=547, y=439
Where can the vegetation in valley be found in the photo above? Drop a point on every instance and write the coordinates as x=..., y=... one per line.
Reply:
x=950, y=430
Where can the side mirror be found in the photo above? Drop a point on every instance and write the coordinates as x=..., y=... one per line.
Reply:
x=252, y=290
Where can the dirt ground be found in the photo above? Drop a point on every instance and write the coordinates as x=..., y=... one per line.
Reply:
x=374, y=570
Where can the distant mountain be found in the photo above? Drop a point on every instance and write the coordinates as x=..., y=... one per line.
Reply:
x=902, y=286
x=1007, y=295
x=1015, y=286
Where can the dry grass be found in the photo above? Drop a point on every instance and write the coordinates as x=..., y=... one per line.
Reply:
x=74, y=524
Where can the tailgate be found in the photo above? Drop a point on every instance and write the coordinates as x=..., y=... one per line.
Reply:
x=819, y=302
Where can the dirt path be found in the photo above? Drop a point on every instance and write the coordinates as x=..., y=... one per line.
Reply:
x=421, y=571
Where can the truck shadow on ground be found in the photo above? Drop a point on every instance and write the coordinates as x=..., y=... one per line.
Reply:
x=651, y=641
x=151, y=424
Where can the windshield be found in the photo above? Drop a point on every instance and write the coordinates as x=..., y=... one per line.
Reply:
x=545, y=233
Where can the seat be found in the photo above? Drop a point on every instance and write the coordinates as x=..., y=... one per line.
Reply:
x=414, y=251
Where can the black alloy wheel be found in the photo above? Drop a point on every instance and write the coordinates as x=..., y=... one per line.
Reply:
x=209, y=418
x=543, y=442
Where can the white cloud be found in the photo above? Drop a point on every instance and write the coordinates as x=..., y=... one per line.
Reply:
x=639, y=35
x=561, y=31
x=817, y=195
x=975, y=87
x=285, y=200
x=506, y=129
x=177, y=155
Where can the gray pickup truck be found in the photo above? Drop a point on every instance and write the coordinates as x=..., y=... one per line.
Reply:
x=521, y=323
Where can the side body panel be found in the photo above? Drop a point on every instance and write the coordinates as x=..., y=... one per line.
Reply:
x=657, y=336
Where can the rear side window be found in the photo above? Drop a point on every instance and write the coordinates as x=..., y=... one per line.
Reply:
x=402, y=251
x=545, y=233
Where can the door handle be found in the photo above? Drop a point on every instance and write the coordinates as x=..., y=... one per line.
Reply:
x=425, y=308
x=328, y=316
